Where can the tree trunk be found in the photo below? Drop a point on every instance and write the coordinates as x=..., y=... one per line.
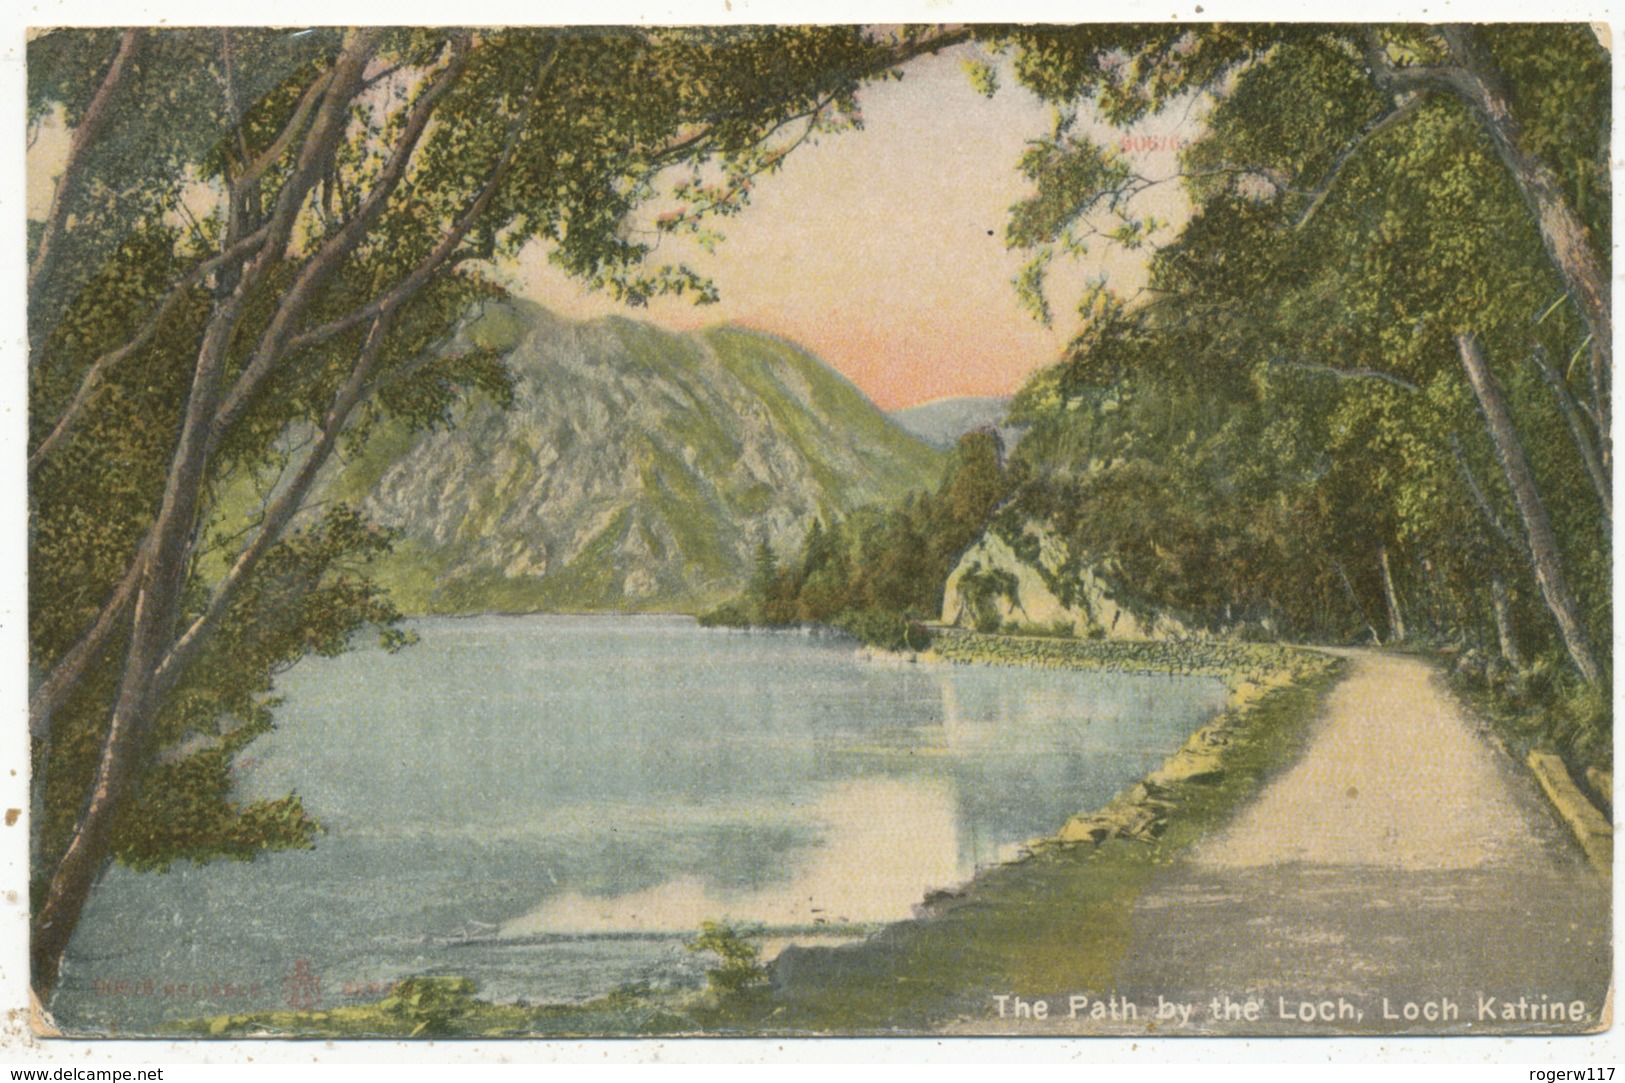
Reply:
x=278, y=513
x=1477, y=81
x=1501, y=602
x=157, y=604
x=1544, y=556
x=156, y=608
x=1601, y=482
x=59, y=684
x=1482, y=500
x=85, y=134
x=1438, y=596
x=1569, y=244
x=1396, y=619
x=1355, y=598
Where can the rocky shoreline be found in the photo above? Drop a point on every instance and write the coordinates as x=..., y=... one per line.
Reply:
x=1141, y=812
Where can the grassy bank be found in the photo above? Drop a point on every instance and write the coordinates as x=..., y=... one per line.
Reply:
x=449, y=1008
x=1055, y=920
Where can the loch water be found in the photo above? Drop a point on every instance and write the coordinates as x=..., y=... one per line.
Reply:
x=551, y=805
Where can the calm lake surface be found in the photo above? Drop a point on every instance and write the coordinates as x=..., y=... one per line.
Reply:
x=549, y=805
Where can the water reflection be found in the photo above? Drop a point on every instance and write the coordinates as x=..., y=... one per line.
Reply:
x=956, y=769
x=883, y=844
x=562, y=778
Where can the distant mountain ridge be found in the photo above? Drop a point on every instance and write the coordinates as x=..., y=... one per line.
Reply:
x=636, y=469
x=941, y=423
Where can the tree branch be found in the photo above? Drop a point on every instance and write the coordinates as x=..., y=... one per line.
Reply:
x=419, y=276
x=234, y=111
x=69, y=670
x=1348, y=374
x=1574, y=253
x=280, y=512
x=741, y=182
x=890, y=58
x=1485, y=508
x=1371, y=131
x=85, y=134
x=294, y=129
x=167, y=555
x=1600, y=482
x=91, y=385
x=273, y=342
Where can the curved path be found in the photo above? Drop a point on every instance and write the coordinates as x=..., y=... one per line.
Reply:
x=1395, y=776
x=1403, y=860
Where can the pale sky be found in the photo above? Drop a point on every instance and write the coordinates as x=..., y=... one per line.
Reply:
x=882, y=250
x=879, y=250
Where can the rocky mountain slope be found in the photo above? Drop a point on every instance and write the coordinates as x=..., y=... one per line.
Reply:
x=941, y=423
x=637, y=468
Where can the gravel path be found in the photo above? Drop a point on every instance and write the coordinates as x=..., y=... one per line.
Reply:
x=1404, y=865
x=1395, y=777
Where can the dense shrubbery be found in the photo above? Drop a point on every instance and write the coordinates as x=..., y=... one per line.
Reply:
x=1543, y=707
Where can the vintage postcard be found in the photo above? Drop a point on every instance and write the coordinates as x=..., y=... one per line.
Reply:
x=1092, y=530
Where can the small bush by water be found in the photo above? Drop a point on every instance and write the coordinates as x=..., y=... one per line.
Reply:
x=741, y=959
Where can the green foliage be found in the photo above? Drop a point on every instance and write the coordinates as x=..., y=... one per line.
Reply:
x=740, y=967
x=185, y=813
x=764, y=570
x=887, y=631
x=309, y=595
x=1288, y=403
x=427, y=1008
x=735, y=614
x=431, y=1007
x=982, y=588
x=273, y=247
x=892, y=562
x=983, y=76
x=1543, y=707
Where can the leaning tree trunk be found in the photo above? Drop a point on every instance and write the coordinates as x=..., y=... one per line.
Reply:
x=1476, y=79
x=1568, y=242
x=1396, y=619
x=1602, y=483
x=166, y=562
x=1355, y=600
x=85, y=135
x=1501, y=603
x=1544, y=556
